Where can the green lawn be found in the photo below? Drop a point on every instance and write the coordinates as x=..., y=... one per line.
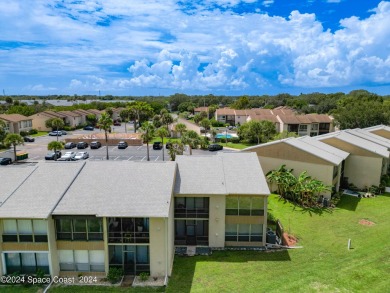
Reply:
x=323, y=264
x=101, y=289
x=40, y=133
x=238, y=146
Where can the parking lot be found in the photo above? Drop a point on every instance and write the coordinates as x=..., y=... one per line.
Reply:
x=38, y=149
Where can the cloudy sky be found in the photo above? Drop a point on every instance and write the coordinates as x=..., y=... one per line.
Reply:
x=161, y=47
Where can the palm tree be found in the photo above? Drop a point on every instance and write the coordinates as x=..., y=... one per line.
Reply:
x=125, y=115
x=166, y=119
x=176, y=148
x=2, y=131
x=13, y=139
x=147, y=135
x=180, y=128
x=205, y=123
x=105, y=123
x=55, y=123
x=192, y=139
x=55, y=146
x=162, y=132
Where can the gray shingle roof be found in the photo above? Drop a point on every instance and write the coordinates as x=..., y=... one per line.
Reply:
x=357, y=141
x=309, y=145
x=121, y=189
x=226, y=173
x=39, y=194
x=11, y=177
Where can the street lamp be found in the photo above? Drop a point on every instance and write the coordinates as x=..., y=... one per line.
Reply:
x=226, y=138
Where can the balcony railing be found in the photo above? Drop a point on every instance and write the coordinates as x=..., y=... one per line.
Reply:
x=24, y=238
x=80, y=236
x=128, y=237
x=191, y=213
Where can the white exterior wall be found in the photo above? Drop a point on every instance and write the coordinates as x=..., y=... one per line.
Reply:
x=217, y=206
x=323, y=173
x=363, y=171
x=240, y=119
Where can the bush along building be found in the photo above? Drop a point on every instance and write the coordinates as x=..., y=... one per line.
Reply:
x=88, y=222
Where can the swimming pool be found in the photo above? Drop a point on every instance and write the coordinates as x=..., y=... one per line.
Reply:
x=223, y=135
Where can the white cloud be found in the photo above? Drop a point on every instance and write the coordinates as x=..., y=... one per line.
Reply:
x=89, y=44
x=40, y=87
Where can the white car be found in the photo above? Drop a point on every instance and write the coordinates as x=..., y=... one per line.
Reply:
x=68, y=156
x=81, y=156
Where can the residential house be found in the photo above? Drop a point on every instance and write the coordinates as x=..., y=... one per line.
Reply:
x=198, y=110
x=367, y=161
x=310, y=124
x=39, y=119
x=321, y=161
x=15, y=123
x=116, y=113
x=95, y=112
x=126, y=220
x=72, y=119
x=225, y=115
x=83, y=115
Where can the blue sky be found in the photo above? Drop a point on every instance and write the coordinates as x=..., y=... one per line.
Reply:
x=222, y=47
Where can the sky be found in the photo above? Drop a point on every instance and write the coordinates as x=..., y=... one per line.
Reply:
x=220, y=47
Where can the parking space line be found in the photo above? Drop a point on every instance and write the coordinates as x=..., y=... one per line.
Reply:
x=143, y=158
x=116, y=158
x=156, y=158
x=114, y=148
x=139, y=147
x=130, y=158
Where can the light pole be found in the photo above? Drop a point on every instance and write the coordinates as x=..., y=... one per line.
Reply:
x=226, y=138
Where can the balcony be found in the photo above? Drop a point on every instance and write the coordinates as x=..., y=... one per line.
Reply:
x=128, y=237
x=191, y=213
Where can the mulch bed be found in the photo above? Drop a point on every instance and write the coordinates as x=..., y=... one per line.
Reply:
x=289, y=240
x=366, y=222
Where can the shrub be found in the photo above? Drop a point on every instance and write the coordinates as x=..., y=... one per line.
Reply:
x=23, y=133
x=114, y=275
x=40, y=274
x=68, y=128
x=235, y=140
x=144, y=276
x=33, y=131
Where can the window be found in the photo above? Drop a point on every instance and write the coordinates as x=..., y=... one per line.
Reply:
x=133, y=259
x=314, y=127
x=79, y=229
x=244, y=206
x=26, y=263
x=128, y=230
x=302, y=128
x=244, y=232
x=192, y=207
x=81, y=260
x=24, y=230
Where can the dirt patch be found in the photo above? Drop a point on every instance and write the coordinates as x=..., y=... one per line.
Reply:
x=366, y=222
x=289, y=240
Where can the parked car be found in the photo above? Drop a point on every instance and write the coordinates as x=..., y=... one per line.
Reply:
x=157, y=145
x=28, y=139
x=168, y=145
x=53, y=155
x=82, y=145
x=55, y=133
x=215, y=147
x=63, y=132
x=117, y=123
x=122, y=145
x=68, y=156
x=88, y=127
x=70, y=145
x=81, y=156
x=95, y=144
x=5, y=161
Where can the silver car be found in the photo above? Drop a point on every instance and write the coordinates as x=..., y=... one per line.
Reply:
x=81, y=156
x=68, y=156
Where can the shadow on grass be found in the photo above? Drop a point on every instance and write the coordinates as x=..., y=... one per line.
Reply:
x=385, y=194
x=184, y=267
x=348, y=202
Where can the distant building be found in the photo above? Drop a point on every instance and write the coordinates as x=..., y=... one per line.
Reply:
x=15, y=123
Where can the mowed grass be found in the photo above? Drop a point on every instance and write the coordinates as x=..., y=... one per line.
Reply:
x=324, y=264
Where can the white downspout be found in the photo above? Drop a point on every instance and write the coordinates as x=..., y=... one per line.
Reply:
x=166, y=252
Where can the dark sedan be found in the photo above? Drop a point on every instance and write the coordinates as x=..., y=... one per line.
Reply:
x=28, y=139
x=82, y=145
x=95, y=144
x=5, y=161
x=122, y=145
x=215, y=147
x=53, y=155
x=89, y=127
x=70, y=145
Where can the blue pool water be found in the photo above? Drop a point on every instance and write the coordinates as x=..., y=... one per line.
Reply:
x=223, y=135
